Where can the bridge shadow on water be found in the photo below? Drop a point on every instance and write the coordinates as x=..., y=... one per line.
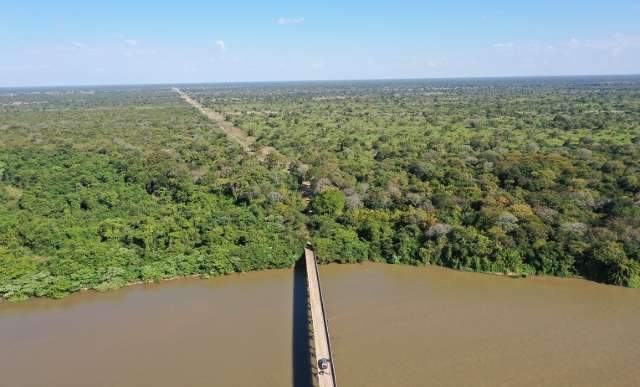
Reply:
x=302, y=336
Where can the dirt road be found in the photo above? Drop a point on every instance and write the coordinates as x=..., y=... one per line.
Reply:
x=233, y=132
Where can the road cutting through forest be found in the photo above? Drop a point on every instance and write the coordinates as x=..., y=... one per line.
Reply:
x=322, y=346
x=233, y=132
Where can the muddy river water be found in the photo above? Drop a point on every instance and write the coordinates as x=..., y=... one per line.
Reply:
x=391, y=326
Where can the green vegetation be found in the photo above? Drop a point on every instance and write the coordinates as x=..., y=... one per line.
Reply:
x=100, y=196
x=103, y=187
x=513, y=175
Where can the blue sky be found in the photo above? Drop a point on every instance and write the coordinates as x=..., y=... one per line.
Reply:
x=120, y=42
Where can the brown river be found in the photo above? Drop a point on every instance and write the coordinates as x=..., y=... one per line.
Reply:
x=391, y=326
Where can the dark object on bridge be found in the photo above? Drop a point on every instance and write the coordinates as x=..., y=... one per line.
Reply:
x=323, y=364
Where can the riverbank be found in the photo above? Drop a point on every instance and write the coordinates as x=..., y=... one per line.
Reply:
x=509, y=275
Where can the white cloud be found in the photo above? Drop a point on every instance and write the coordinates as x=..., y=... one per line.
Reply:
x=614, y=45
x=78, y=44
x=503, y=45
x=220, y=44
x=286, y=21
x=131, y=42
x=140, y=52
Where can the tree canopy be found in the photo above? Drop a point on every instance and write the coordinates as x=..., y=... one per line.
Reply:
x=108, y=186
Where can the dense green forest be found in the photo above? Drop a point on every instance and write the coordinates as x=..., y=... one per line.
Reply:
x=97, y=191
x=100, y=187
x=505, y=175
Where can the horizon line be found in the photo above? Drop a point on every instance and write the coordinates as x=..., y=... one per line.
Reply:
x=323, y=80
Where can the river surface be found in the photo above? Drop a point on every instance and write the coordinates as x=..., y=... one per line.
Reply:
x=391, y=326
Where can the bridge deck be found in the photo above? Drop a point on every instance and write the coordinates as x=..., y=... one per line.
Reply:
x=320, y=330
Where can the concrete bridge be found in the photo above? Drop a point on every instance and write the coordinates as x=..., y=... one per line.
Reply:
x=321, y=339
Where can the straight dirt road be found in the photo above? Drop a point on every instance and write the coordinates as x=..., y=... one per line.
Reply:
x=326, y=378
x=233, y=132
